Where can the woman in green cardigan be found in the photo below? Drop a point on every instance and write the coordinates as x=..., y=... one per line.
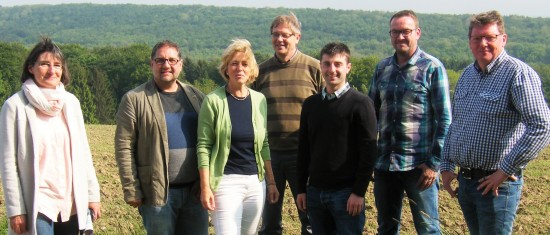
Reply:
x=233, y=151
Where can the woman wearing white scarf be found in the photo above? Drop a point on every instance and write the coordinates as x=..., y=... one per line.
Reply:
x=45, y=161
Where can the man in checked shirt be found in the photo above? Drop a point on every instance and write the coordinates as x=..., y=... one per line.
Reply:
x=500, y=123
x=410, y=91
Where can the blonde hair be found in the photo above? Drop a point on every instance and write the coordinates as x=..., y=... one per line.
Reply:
x=244, y=46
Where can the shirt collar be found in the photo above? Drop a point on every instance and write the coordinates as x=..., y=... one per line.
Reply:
x=284, y=62
x=337, y=94
x=493, y=65
x=412, y=60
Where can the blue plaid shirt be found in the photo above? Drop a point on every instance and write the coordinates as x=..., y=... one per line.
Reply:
x=500, y=118
x=414, y=113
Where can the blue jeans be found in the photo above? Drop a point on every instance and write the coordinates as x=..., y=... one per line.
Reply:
x=389, y=188
x=327, y=211
x=283, y=164
x=182, y=214
x=489, y=214
x=45, y=226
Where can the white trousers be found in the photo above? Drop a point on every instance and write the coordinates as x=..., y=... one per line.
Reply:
x=239, y=205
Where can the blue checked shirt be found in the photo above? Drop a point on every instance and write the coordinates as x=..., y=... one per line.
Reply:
x=500, y=118
x=337, y=94
x=414, y=113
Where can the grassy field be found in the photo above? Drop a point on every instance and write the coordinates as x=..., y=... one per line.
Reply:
x=119, y=218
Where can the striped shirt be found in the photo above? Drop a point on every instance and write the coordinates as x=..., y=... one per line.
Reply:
x=286, y=86
x=500, y=118
x=412, y=104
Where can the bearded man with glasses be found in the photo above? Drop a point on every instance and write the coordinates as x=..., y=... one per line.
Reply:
x=155, y=148
x=410, y=91
x=500, y=123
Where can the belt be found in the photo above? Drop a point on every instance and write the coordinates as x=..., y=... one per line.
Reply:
x=472, y=173
x=181, y=185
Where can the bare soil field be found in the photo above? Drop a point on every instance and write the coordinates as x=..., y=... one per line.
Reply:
x=119, y=218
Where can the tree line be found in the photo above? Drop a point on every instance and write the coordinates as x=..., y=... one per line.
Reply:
x=204, y=31
x=108, y=46
x=102, y=75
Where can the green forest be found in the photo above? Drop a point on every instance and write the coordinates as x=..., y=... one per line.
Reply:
x=108, y=46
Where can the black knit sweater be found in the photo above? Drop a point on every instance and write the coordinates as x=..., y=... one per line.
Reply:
x=337, y=145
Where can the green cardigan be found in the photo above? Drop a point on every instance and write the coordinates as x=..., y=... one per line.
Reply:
x=214, y=134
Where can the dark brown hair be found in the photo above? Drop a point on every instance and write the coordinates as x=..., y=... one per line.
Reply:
x=408, y=13
x=335, y=48
x=45, y=45
x=167, y=43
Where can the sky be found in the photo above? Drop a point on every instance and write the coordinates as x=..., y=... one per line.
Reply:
x=531, y=8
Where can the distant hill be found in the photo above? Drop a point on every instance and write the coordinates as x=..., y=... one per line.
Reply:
x=203, y=31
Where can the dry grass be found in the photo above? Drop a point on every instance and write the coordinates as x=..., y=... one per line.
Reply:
x=119, y=218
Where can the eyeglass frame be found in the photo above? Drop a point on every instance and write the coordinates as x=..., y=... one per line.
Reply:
x=283, y=35
x=47, y=65
x=487, y=38
x=162, y=61
x=401, y=32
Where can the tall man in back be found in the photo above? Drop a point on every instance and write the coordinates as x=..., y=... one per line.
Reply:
x=286, y=80
x=500, y=123
x=410, y=91
x=155, y=141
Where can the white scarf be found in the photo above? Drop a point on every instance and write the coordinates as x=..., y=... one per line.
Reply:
x=48, y=101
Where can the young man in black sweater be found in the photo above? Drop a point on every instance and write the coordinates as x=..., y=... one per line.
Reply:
x=337, y=149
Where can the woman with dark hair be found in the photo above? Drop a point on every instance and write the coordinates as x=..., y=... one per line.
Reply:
x=50, y=185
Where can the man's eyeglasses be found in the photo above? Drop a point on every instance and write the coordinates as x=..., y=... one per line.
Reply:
x=284, y=35
x=488, y=38
x=161, y=61
x=404, y=32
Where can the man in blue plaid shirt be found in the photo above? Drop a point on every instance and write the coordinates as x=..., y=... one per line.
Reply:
x=410, y=91
x=500, y=123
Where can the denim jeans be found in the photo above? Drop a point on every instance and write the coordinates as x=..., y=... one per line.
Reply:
x=327, y=211
x=489, y=214
x=283, y=164
x=239, y=204
x=389, y=189
x=45, y=226
x=182, y=214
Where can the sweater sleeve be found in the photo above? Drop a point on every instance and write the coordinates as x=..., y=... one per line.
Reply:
x=205, y=132
x=266, y=154
x=367, y=136
x=303, y=150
